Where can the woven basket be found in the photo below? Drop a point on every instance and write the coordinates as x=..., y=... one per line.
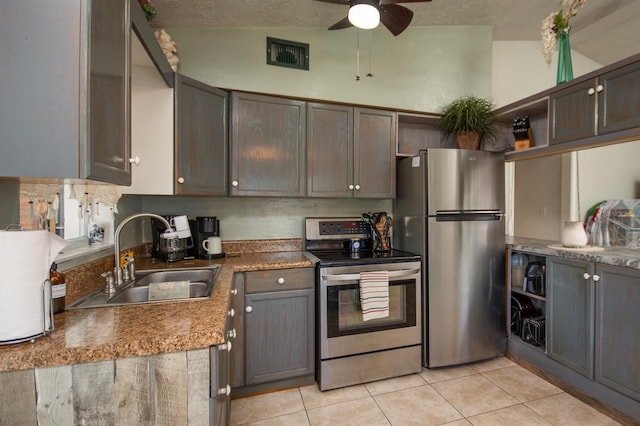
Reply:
x=468, y=140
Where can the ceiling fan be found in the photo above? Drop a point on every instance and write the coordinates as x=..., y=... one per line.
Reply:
x=367, y=14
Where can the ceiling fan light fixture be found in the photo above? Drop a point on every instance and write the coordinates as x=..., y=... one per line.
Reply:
x=364, y=14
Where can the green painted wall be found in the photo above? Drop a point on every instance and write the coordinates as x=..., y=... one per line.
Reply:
x=422, y=69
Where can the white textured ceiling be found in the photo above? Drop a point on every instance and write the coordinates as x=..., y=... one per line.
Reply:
x=603, y=30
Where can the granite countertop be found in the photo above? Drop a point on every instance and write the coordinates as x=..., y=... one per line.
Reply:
x=98, y=334
x=616, y=256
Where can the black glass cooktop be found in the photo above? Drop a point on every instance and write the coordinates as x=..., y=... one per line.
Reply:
x=329, y=257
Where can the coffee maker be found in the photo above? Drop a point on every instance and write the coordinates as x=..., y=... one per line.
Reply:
x=170, y=247
x=202, y=228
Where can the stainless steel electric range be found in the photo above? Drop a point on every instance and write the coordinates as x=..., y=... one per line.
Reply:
x=350, y=349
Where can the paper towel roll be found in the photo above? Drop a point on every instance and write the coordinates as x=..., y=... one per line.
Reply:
x=25, y=259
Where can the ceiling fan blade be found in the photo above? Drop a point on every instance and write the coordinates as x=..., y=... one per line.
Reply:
x=343, y=23
x=383, y=2
x=395, y=18
x=337, y=1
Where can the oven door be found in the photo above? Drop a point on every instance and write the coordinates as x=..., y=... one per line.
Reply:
x=342, y=329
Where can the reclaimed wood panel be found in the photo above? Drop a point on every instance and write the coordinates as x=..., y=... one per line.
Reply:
x=17, y=400
x=54, y=405
x=93, y=393
x=199, y=381
x=132, y=389
x=170, y=388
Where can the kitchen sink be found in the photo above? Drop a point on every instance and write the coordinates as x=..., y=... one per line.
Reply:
x=201, y=282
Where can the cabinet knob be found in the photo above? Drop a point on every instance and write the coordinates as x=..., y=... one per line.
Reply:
x=232, y=334
x=599, y=88
x=280, y=280
x=180, y=179
x=234, y=183
x=586, y=276
x=135, y=160
x=357, y=187
x=350, y=187
x=591, y=91
x=232, y=313
x=596, y=278
x=225, y=391
x=248, y=309
x=234, y=291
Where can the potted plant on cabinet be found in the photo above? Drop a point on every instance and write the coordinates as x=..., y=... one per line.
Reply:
x=471, y=119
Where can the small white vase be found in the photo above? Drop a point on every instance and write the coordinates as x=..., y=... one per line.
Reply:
x=573, y=235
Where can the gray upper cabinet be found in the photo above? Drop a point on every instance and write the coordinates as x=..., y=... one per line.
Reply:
x=570, y=307
x=201, y=138
x=617, y=329
x=598, y=106
x=64, y=113
x=267, y=146
x=350, y=152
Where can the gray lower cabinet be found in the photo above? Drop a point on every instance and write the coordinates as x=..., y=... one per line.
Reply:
x=64, y=113
x=617, y=351
x=201, y=138
x=570, y=310
x=267, y=144
x=172, y=388
x=276, y=343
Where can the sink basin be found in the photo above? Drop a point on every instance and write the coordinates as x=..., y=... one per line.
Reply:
x=201, y=284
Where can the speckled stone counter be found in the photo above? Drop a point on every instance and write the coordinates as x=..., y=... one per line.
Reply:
x=616, y=256
x=98, y=334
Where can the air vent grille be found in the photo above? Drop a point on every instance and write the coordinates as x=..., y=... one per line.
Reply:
x=289, y=54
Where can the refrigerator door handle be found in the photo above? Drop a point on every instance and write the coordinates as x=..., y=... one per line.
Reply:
x=467, y=215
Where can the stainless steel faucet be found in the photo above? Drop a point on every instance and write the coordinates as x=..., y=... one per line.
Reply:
x=116, y=241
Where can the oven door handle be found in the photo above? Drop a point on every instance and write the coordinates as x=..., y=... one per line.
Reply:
x=350, y=277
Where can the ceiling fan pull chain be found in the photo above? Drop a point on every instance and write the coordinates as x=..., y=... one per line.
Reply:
x=358, y=55
x=370, y=74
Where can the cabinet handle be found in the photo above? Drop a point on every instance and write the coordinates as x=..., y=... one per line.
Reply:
x=357, y=187
x=232, y=313
x=135, y=160
x=232, y=334
x=225, y=346
x=280, y=280
x=591, y=91
x=180, y=179
x=225, y=391
x=248, y=309
x=351, y=187
x=596, y=278
x=599, y=88
x=234, y=291
x=234, y=183
x=586, y=276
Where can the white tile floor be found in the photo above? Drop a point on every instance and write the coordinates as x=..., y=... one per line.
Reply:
x=495, y=392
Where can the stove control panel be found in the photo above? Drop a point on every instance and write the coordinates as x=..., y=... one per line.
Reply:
x=343, y=228
x=336, y=228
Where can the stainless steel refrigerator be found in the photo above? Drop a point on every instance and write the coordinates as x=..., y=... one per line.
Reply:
x=449, y=208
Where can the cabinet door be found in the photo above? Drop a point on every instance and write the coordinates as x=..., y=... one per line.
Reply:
x=375, y=153
x=237, y=324
x=108, y=144
x=618, y=329
x=619, y=99
x=267, y=146
x=570, y=304
x=279, y=335
x=201, y=138
x=329, y=150
x=572, y=113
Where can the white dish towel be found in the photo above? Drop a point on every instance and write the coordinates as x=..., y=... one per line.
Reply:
x=374, y=294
